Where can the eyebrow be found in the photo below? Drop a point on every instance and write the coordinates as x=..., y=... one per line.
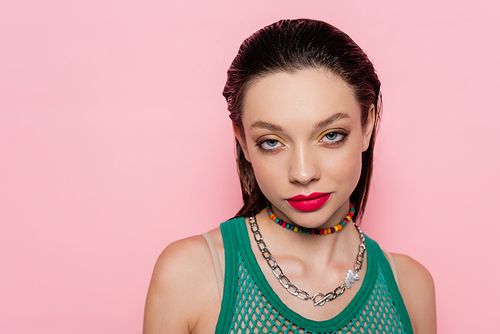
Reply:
x=266, y=125
x=273, y=127
x=335, y=117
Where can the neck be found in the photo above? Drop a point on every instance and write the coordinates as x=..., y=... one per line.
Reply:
x=319, y=249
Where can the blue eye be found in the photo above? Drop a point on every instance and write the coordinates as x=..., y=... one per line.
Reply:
x=270, y=144
x=333, y=137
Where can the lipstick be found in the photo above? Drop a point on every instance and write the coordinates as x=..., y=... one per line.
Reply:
x=311, y=202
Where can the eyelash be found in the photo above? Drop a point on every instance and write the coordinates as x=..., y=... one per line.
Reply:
x=269, y=150
x=343, y=137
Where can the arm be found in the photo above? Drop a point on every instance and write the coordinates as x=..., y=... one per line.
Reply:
x=417, y=289
x=175, y=295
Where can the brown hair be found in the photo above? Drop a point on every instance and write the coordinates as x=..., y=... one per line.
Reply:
x=288, y=46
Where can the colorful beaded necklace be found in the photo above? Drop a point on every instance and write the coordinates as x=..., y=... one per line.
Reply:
x=299, y=229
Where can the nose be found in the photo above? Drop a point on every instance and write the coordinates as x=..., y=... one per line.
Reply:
x=304, y=167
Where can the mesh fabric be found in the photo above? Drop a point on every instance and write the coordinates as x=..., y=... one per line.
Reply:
x=255, y=314
x=250, y=305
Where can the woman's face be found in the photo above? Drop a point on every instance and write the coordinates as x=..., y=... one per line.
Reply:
x=304, y=139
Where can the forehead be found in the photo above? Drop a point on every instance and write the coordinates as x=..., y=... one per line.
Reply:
x=305, y=96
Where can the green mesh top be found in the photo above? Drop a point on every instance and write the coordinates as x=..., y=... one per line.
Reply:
x=249, y=304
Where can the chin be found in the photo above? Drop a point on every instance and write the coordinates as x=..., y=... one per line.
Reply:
x=312, y=219
x=321, y=218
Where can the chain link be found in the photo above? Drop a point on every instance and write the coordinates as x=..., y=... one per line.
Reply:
x=318, y=299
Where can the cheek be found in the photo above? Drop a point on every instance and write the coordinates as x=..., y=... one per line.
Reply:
x=271, y=174
x=345, y=169
x=266, y=175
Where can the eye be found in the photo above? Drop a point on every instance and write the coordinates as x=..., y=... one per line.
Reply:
x=270, y=144
x=333, y=137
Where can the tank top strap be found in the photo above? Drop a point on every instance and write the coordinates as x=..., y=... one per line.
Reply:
x=393, y=265
x=392, y=285
x=378, y=253
x=229, y=239
x=217, y=265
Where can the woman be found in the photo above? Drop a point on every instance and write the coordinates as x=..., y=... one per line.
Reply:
x=305, y=103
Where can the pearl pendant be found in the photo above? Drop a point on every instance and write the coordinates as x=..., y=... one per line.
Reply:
x=350, y=277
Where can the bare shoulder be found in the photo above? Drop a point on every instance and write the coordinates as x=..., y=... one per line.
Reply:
x=417, y=289
x=175, y=284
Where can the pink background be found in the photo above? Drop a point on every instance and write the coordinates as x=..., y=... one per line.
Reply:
x=115, y=141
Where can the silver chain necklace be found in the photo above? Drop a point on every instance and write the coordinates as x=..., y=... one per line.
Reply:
x=319, y=299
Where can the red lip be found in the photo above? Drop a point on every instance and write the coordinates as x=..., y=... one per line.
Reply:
x=306, y=197
x=309, y=202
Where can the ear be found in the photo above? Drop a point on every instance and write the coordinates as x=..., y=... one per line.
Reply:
x=368, y=129
x=241, y=140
